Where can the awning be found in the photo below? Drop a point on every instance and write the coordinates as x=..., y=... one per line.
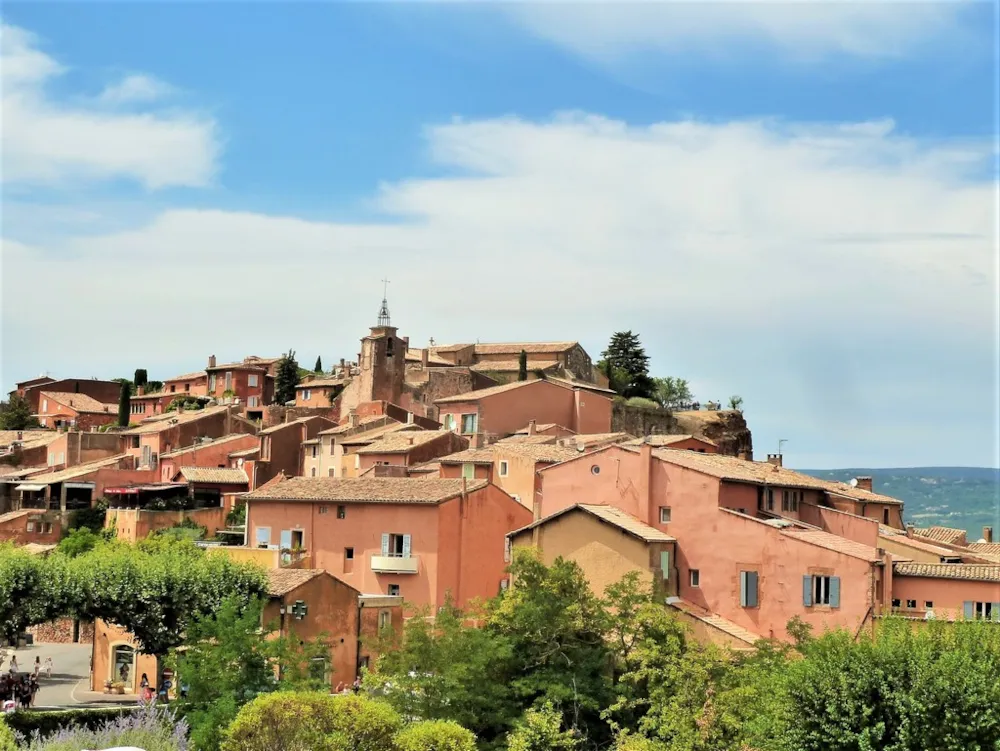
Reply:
x=80, y=485
x=30, y=486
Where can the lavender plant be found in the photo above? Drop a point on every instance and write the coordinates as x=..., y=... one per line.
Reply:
x=150, y=728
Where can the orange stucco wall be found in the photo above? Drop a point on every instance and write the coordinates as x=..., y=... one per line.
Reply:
x=842, y=524
x=521, y=477
x=693, y=444
x=134, y=524
x=947, y=595
x=205, y=456
x=106, y=637
x=481, y=471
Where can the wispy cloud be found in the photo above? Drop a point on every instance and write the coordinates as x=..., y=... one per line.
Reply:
x=50, y=142
x=135, y=88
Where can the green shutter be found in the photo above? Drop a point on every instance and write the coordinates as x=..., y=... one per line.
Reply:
x=996, y=611
x=665, y=563
x=969, y=610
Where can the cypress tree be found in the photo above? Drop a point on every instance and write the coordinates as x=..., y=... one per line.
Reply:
x=124, y=404
x=319, y=365
x=522, y=366
x=140, y=378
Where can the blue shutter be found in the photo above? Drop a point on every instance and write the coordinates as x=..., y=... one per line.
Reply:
x=286, y=539
x=406, y=546
x=968, y=610
x=807, y=591
x=752, y=589
x=385, y=544
x=834, y=591
x=744, y=594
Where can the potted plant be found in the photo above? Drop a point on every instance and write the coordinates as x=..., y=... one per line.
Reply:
x=118, y=687
x=107, y=686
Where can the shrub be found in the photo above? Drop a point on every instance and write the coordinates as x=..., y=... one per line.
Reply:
x=149, y=728
x=642, y=403
x=7, y=739
x=301, y=721
x=28, y=723
x=435, y=735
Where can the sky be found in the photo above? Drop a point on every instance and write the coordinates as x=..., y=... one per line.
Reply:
x=792, y=202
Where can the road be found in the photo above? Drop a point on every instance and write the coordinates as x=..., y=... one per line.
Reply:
x=70, y=682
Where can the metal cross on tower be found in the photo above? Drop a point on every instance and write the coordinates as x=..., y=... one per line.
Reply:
x=383, y=313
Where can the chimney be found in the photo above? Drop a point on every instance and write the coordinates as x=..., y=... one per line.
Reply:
x=352, y=418
x=864, y=483
x=406, y=342
x=140, y=390
x=211, y=361
x=424, y=357
x=742, y=456
x=909, y=530
x=775, y=459
x=531, y=427
x=409, y=440
x=988, y=534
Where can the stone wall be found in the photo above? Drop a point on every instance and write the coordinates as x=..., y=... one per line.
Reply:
x=62, y=631
x=639, y=421
x=726, y=428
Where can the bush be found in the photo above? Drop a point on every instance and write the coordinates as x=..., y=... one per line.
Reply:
x=642, y=403
x=90, y=518
x=7, y=739
x=435, y=735
x=149, y=728
x=28, y=723
x=301, y=721
x=79, y=541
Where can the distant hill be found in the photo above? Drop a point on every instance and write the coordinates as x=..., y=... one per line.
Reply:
x=960, y=497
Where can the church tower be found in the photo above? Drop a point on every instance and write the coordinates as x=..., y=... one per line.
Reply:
x=382, y=360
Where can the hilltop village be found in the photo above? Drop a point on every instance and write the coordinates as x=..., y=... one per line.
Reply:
x=407, y=476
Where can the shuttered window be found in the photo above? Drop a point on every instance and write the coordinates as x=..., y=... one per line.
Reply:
x=748, y=589
x=821, y=590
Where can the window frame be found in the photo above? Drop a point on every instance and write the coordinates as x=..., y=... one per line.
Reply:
x=667, y=514
x=504, y=468
x=694, y=578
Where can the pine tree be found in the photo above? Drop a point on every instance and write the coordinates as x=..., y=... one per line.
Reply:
x=522, y=366
x=16, y=414
x=319, y=365
x=286, y=379
x=124, y=404
x=626, y=355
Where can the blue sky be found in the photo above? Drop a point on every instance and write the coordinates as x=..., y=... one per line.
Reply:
x=793, y=202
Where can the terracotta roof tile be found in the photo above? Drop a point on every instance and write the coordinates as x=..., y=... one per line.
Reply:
x=667, y=440
x=918, y=544
x=540, y=452
x=188, y=377
x=398, y=442
x=281, y=581
x=531, y=348
x=245, y=452
x=78, y=471
x=164, y=421
x=511, y=366
x=81, y=402
x=610, y=515
x=539, y=427
x=592, y=440
x=517, y=438
x=368, y=436
x=8, y=474
x=992, y=548
x=967, y=571
x=413, y=355
x=715, y=621
x=215, y=475
x=207, y=444
x=943, y=534
x=429, y=490
x=834, y=543
x=469, y=456
x=345, y=427
x=321, y=383
x=283, y=425
x=471, y=396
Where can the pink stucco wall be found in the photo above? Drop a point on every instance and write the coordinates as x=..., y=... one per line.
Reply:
x=841, y=524
x=947, y=595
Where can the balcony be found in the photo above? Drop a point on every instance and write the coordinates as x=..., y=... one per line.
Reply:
x=391, y=564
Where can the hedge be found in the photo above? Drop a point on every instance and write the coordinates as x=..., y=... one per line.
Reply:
x=50, y=721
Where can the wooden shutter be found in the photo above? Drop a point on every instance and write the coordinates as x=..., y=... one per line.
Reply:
x=752, y=598
x=385, y=544
x=286, y=539
x=834, y=591
x=406, y=546
x=996, y=611
x=665, y=563
x=743, y=588
x=807, y=591
x=968, y=608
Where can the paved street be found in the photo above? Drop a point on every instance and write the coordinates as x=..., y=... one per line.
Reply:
x=69, y=684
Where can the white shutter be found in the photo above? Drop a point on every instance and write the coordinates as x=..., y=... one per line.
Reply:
x=385, y=544
x=406, y=546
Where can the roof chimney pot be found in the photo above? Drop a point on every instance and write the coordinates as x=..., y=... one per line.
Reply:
x=988, y=534
x=211, y=361
x=864, y=483
x=775, y=460
x=532, y=426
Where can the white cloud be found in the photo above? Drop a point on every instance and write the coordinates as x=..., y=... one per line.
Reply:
x=47, y=142
x=605, y=30
x=841, y=278
x=135, y=88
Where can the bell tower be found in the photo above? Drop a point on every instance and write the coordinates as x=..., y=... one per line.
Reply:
x=383, y=358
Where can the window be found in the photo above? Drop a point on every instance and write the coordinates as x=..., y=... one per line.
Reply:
x=897, y=603
x=911, y=604
x=306, y=395
x=318, y=669
x=469, y=471
x=333, y=448
x=314, y=452
x=448, y=422
x=664, y=515
x=885, y=516
x=313, y=471
x=821, y=590
x=769, y=499
x=211, y=384
x=252, y=379
x=790, y=500
x=469, y=423
x=384, y=619
x=45, y=405
x=229, y=381
x=253, y=401
x=31, y=527
x=263, y=537
x=330, y=472
x=187, y=386
x=503, y=468
x=341, y=512
x=357, y=461
x=748, y=589
x=928, y=604
x=348, y=554
x=135, y=441
x=394, y=590
x=396, y=545
x=695, y=577
x=982, y=611
x=323, y=509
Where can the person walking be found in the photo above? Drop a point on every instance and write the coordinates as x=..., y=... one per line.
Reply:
x=48, y=666
x=36, y=671
x=13, y=665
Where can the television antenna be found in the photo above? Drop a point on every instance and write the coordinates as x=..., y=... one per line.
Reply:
x=781, y=443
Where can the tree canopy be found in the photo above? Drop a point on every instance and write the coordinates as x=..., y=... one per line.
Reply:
x=286, y=378
x=318, y=367
x=671, y=392
x=15, y=414
x=626, y=365
x=124, y=404
x=522, y=366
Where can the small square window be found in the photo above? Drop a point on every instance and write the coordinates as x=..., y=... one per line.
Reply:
x=31, y=526
x=349, y=554
x=897, y=603
x=341, y=512
x=928, y=604
x=330, y=472
x=323, y=509
x=695, y=577
x=911, y=604
x=664, y=515
x=393, y=590
x=384, y=618
x=503, y=468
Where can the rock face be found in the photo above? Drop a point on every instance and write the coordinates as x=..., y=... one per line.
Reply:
x=726, y=428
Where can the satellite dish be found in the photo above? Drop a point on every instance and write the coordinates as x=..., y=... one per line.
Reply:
x=854, y=482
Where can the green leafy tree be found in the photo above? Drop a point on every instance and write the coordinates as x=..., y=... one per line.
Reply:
x=33, y=590
x=625, y=355
x=736, y=403
x=123, y=382
x=541, y=730
x=318, y=367
x=141, y=378
x=522, y=366
x=124, y=405
x=225, y=664
x=671, y=392
x=7, y=740
x=435, y=735
x=79, y=541
x=286, y=378
x=153, y=387
x=642, y=403
x=15, y=414
x=300, y=721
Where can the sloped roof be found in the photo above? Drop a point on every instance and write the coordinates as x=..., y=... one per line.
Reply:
x=947, y=535
x=281, y=581
x=515, y=348
x=368, y=436
x=318, y=383
x=966, y=571
x=207, y=444
x=81, y=402
x=991, y=548
x=540, y=452
x=833, y=542
x=283, y=425
x=609, y=515
x=188, y=377
x=398, y=442
x=245, y=452
x=588, y=440
x=469, y=456
x=714, y=620
x=511, y=366
x=521, y=438
x=918, y=544
x=78, y=471
x=215, y=475
x=165, y=421
x=668, y=440
x=413, y=355
x=472, y=396
x=362, y=421
x=431, y=490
